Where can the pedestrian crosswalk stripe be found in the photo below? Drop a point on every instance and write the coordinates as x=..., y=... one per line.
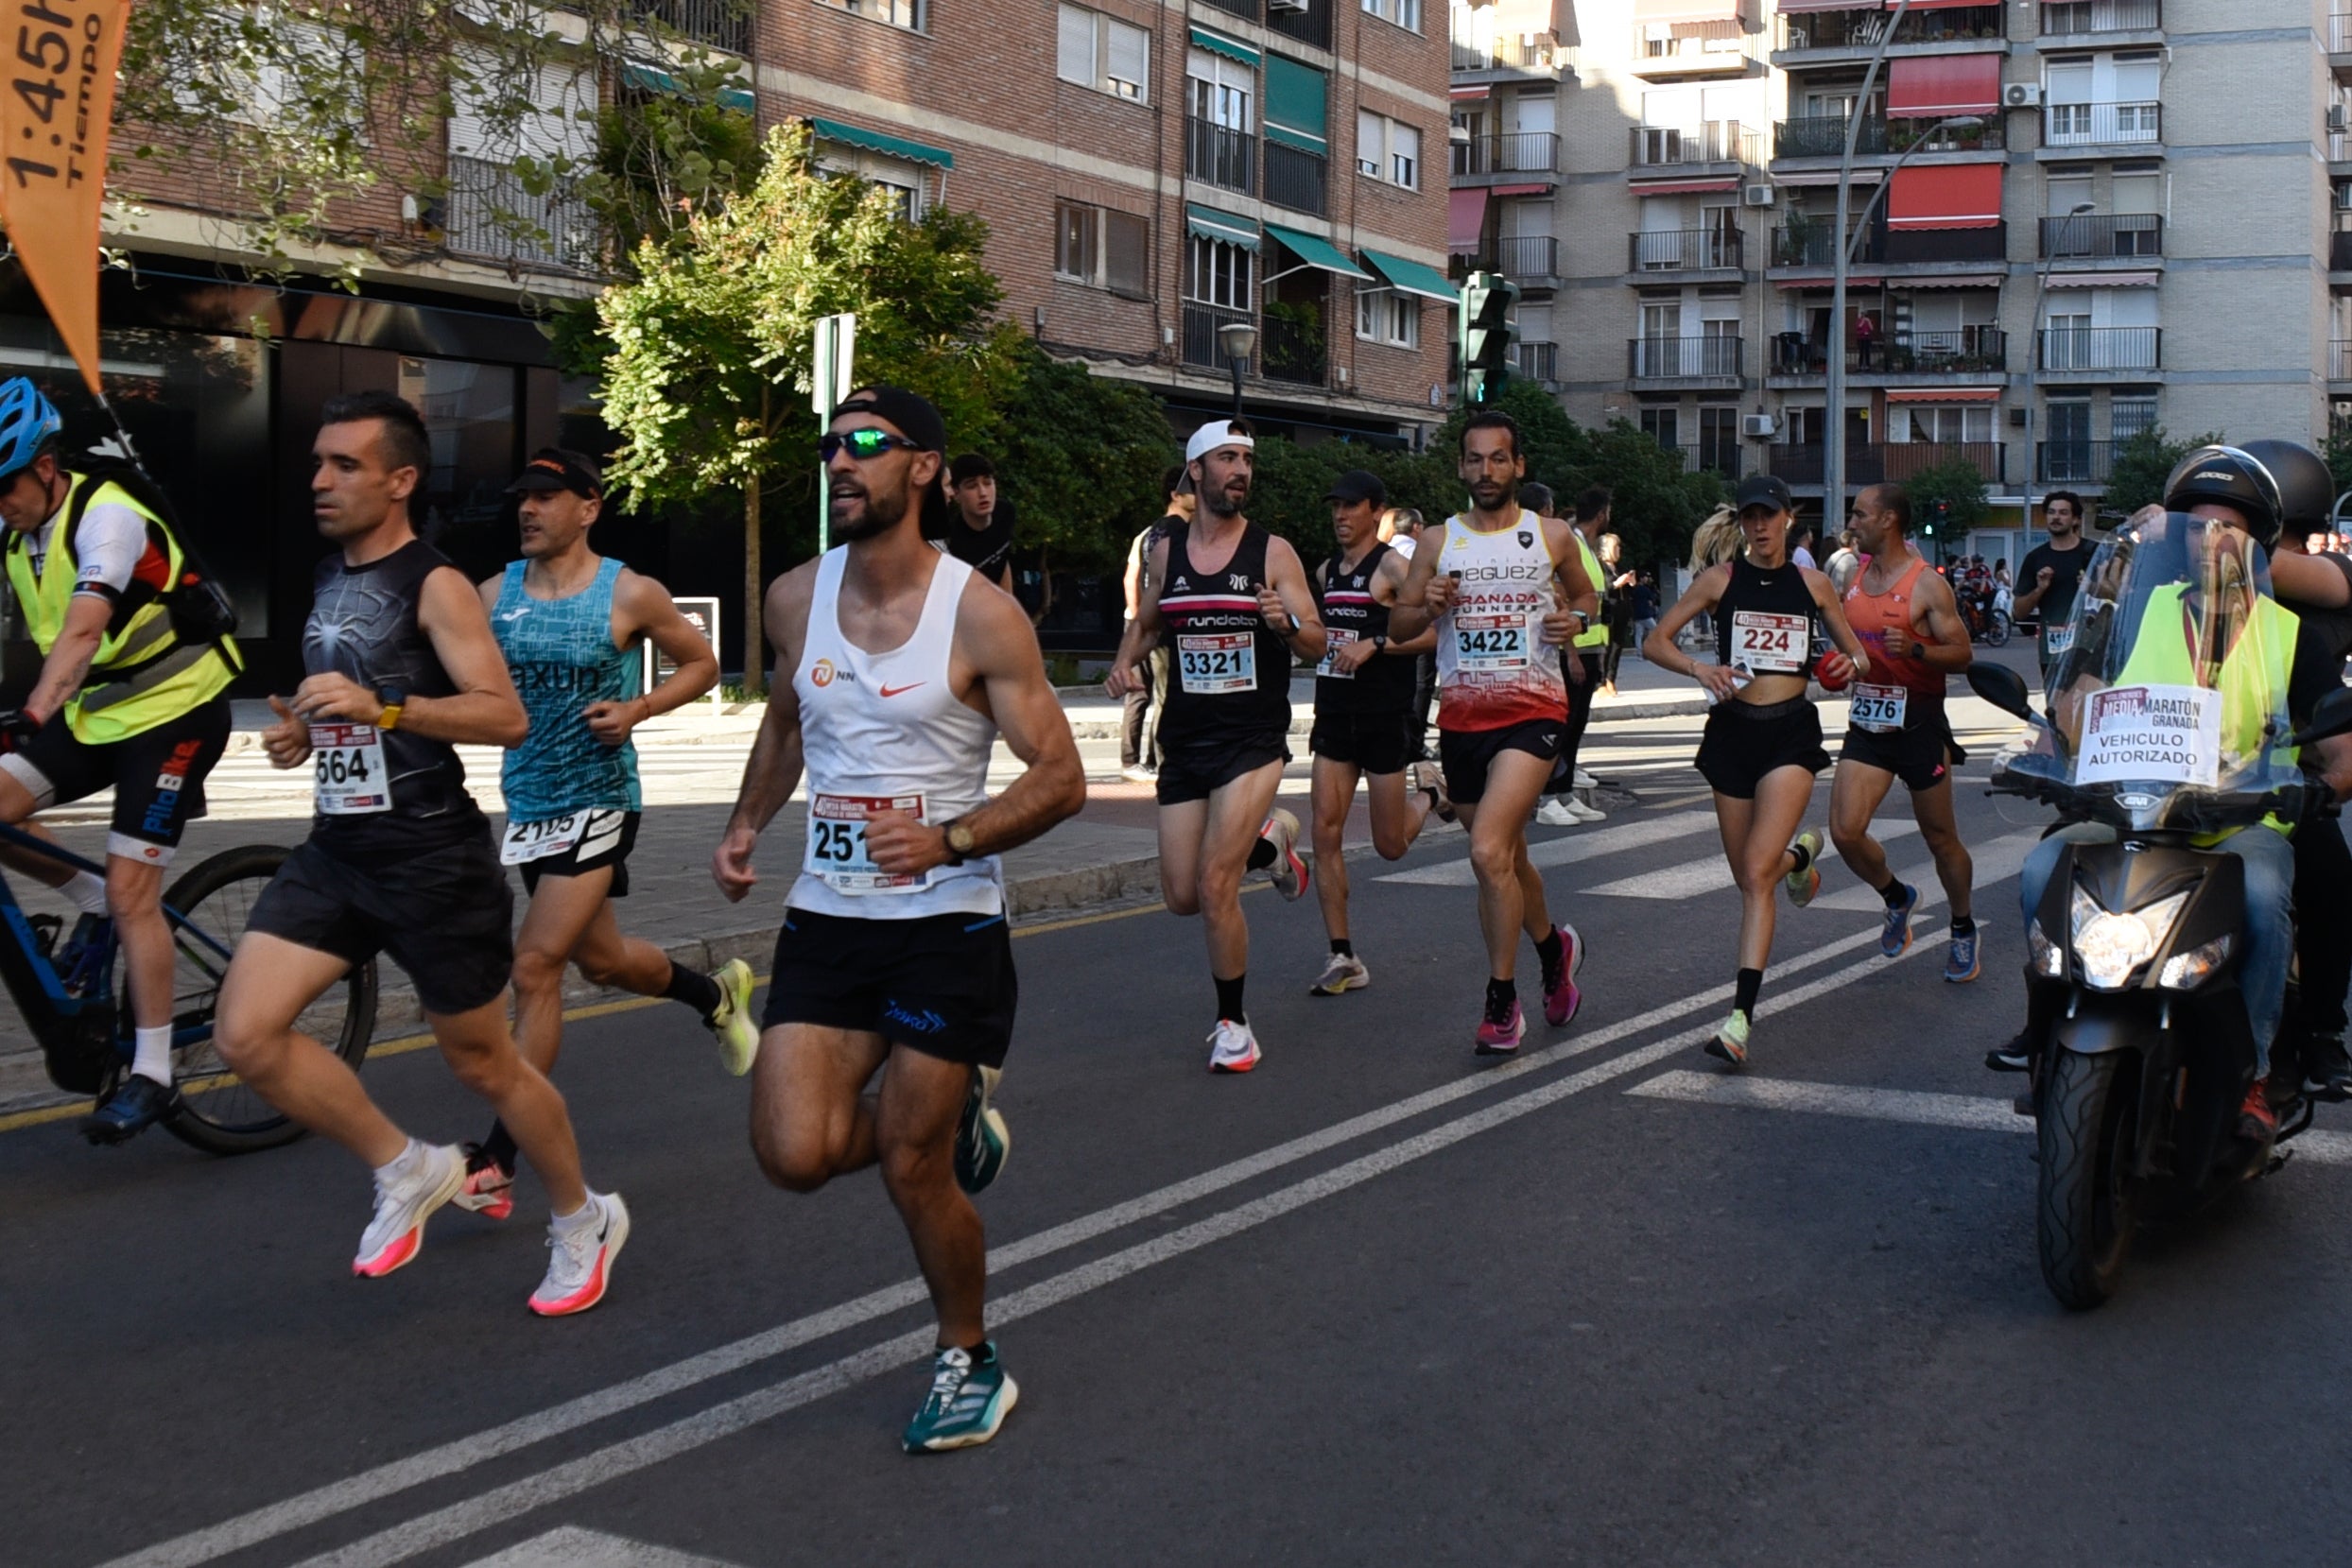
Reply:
x=1567, y=849
x=577, y=1548
x=1710, y=873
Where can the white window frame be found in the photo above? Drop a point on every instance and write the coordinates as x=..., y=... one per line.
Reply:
x=1101, y=220
x=874, y=169
x=1387, y=316
x=1389, y=164
x=1102, y=30
x=1231, y=271
x=1397, y=14
x=907, y=15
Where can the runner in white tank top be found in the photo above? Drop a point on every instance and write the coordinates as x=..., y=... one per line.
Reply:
x=897, y=669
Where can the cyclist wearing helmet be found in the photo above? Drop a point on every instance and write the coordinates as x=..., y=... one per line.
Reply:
x=122, y=703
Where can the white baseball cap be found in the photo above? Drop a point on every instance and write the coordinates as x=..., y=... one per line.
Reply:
x=1214, y=434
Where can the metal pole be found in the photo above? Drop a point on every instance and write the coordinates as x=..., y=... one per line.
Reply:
x=1833, y=413
x=1234, y=360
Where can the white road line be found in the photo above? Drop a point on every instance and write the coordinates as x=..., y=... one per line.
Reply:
x=1838, y=1099
x=308, y=1507
x=1996, y=861
x=441, y=1527
x=577, y=1548
x=1568, y=850
x=1708, y=875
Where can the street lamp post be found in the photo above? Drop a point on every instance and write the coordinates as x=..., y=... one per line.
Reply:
x=1238, y=339
x=1833, y=411
x=2034, y=351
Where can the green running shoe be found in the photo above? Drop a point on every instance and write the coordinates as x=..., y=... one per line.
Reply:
x=732, y=1023
x=1805, y=884
x=970, y=1398
x=982, y=1140
x=1731, y=1041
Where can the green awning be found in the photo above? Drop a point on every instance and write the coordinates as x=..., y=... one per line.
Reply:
x=1295, y=97
x=652, y=78
x=1209, y=223
x=1318, y=253
x=1298, y=139
x=1410, y=277
x=1232, y=48
x=876, y=141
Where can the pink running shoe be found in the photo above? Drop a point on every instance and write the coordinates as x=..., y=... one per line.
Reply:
x=1562, y=999
x=1501, y=1040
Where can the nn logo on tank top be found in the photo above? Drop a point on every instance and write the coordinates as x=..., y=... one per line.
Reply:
x=820, y=674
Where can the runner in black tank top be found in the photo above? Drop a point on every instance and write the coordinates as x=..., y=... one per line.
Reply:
x=402, y=669
x=1363, y=714
x=1233, y=606
x=1774, y=623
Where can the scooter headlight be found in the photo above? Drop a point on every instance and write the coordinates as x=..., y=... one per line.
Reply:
x=2048, y=958
x=2109, y=947
x=2187, y=971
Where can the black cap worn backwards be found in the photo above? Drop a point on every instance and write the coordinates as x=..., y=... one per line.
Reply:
x=911, y=411
x=1358, y=484
x=1762, y=489
x=554, y=468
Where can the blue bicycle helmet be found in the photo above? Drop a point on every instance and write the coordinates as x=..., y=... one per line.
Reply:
x=28, y=421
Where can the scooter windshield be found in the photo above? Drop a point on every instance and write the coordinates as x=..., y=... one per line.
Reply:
x=2169, y=711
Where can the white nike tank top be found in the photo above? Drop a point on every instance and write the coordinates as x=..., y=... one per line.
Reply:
x=881, y=731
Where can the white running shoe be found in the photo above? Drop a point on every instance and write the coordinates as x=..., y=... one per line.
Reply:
x=733, y=1025
x=1584, y=811
x=1556, y=812
x=401, y=1207
x=1429, y=776
x=579, y=1259
x=1585, y=781
x=1344, y=972
x=1139, y=773
x=1232, y=1047
x=1290, y=871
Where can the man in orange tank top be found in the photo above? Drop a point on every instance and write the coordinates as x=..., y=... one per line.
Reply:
x=1896, y=727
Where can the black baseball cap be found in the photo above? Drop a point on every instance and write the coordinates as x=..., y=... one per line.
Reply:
x=917, y=418
x=554, y=468
x=1762, y=489
x=1358, y=484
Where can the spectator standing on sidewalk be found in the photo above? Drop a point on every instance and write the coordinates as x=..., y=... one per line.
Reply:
x=1845, y=563
x=1139, y=710
x=979, y=531
x=1400, y=528
x=1561, y=807
x=1615, y=610
x=1645, y=600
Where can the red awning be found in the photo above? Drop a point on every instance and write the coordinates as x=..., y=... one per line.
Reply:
x=1458, y=94
x=1946, y=394
x=1951, y=195
x=1652, y=12
x=2103, y=280
x=1929, y=86
x=1817, y=4
x=1686, y=187
x=1522, y=190
x=1958, y=279
x=1917, y=5
x=1465, y=217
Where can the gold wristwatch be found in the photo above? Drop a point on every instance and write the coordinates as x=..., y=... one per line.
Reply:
x=962, y=844
x=394, y=698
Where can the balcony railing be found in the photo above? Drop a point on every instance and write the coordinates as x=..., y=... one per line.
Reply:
x=1682, y=250
x=2340, y=250
x=1504, y=54
x=1824, y=136
x=1978, y=350
x=2095, y=237
x=1521, y=257
x=1508, y=152
x=1294, y=177
x=2074, y=124
x=1724, y=455
x=716, y=23
x=492, y=218
x=2101, y=348
x=1291, y=351
x=2340, y=33
x=2065, y=18
x=1246, y=8
x=1930, y=134
x=1863, y=26
x=1221, y=155
x=2340, y=360
x=1312, y=25
x=1683, y=359
x=1901, y=246
x=1692, y=46
x=1813, y=245
x=1539, y=361
x=1201, y=323
x=1890, y=462
x=2072, y=462
x=1715, y=142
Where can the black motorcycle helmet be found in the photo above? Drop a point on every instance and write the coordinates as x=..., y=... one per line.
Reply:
x=2307, y=487
x=2235, y=479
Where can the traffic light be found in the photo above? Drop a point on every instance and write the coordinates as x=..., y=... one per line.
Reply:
x=1939, y=522
x=1487, y=335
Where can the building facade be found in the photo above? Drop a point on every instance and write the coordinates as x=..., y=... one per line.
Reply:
x=2070, y=220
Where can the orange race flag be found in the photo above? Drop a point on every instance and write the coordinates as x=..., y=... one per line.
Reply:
x=56, y=104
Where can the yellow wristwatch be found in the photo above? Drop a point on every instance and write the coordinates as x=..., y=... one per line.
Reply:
x=392, y=698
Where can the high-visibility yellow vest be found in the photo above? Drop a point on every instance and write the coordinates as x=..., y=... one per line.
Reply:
x=143, y=675
x=2252, y=678
x=1595, y=635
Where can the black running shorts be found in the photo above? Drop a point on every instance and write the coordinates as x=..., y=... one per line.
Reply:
x=1744, y=741
x=605, y=840
x=1468, y=755
x=1378, y=742
x=156, y=776
x=445, y=914
x=1195, y=772
x=940, y=983
x=1917, y=754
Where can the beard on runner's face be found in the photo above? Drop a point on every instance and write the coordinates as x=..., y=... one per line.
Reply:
x=861, y=511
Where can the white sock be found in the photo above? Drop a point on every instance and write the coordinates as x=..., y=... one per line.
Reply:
x=88, y=891
x=153, y=1058
x=401, y=1164
x=579, y=1219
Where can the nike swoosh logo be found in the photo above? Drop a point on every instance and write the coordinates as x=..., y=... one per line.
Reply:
x=513, y=615
x=900, y=691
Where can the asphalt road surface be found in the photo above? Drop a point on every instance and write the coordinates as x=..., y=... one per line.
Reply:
x=1380, y=1299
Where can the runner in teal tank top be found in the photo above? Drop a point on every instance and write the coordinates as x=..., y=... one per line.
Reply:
x=571, y=624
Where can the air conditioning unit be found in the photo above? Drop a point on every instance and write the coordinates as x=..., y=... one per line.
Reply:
x=1756, y=196
x=2338, y=118
x=2022, y=95
x=1298, y=6
x=1762, y=428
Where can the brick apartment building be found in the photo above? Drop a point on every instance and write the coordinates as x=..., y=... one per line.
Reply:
x=2084, y=218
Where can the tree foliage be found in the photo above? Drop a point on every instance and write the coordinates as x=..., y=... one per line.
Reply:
x=1960, y=486
x=1080, y=457
x=2143, y=464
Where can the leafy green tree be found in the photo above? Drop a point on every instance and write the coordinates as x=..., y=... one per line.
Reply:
x=2143, y=464
x=1080, y=457
x=1657, y=502
x=1959, y=486
x=709, y=381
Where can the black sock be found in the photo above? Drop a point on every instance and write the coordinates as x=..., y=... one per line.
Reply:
x=1894, y=892
x=1500, y=997
x=1804, y=857
x=497, y=1149
x=1744, y=993
x=1553, y=951
x=1261, y=853
x=1964, y=925
x=1229, y=999
x=694, y=987
x=1342, y=946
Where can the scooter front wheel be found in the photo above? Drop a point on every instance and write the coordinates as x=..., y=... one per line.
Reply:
x=2083, y=1217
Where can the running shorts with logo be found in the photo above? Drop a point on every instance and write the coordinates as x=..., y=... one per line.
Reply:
x=1363, y=718
x=943, y=985
x=156, y=776
x=1468, y=755
x=445, y=914
x=1744, y=741
x=1922, y=753
x=1895, y=720
x=1228, y=709
x=605, y=838
x=1501, y=688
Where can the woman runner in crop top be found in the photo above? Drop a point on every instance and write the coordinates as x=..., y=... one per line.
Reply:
x=1762, y=744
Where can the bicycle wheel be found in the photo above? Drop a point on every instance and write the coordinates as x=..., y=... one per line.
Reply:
x=217, y=1112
